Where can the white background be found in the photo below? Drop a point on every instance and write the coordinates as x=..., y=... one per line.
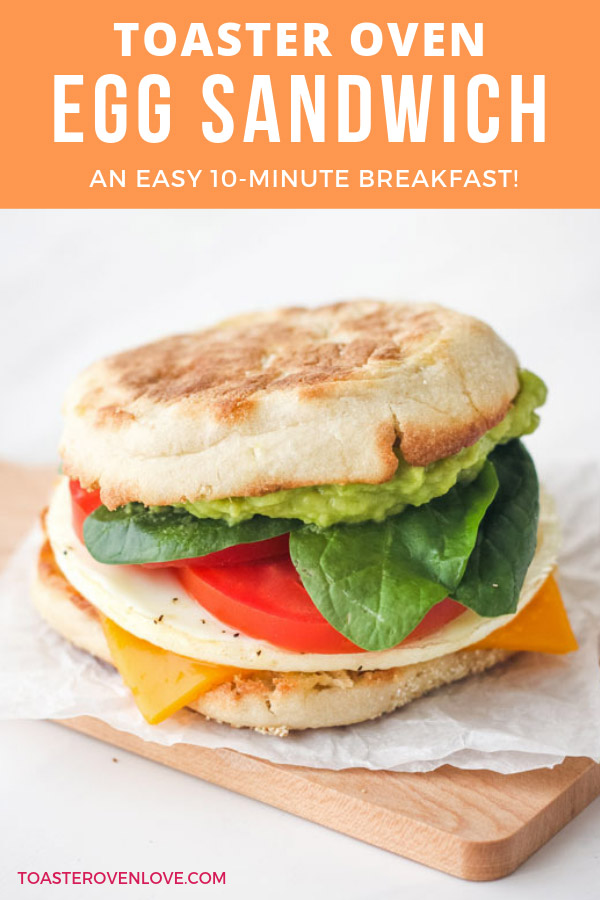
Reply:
x=78, y=284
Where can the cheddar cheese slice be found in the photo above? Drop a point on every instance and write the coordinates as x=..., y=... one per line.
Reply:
x=542, y=626
x=161, y=681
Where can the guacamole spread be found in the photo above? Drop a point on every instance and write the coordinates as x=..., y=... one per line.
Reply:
x=326, y=504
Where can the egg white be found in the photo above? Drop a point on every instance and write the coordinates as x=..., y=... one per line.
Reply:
x=152, y=604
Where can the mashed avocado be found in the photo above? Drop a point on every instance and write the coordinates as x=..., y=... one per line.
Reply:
x=327, y=504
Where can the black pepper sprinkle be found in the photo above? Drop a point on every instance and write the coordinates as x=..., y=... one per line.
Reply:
x=203, y=621
x=175, y=599
x=258, y=652
x=237, y=634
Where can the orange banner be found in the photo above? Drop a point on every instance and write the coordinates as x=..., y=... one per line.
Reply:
x=263, y=104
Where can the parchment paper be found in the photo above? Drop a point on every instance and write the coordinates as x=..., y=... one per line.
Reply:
x=531, y=713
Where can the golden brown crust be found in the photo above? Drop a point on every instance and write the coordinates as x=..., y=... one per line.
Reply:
x=273, y=702
x=228, y=369
x=286, y=399
x=296, y=701
x=420, y=444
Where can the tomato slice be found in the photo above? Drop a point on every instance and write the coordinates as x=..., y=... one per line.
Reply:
x=267, y=601
x=231, y=556
x=82, y=504
x=85, y=502
x=438, y=616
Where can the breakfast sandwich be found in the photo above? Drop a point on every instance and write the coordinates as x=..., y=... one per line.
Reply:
x=305, y=517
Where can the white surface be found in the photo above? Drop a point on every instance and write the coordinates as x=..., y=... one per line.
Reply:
x=74, y=285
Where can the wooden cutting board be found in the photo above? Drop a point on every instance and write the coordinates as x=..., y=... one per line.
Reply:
x=476, y=825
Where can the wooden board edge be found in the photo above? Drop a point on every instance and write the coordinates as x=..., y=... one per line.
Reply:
x=491, y=860
x=288, y=789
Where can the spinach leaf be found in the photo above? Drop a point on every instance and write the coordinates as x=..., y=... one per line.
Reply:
x=374, y=582
x=507, y=538
x=136, y=533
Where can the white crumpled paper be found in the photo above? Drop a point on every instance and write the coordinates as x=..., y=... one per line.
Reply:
x=528, y=714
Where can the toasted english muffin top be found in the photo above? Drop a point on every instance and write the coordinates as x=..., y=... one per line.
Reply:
x=286, y=398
